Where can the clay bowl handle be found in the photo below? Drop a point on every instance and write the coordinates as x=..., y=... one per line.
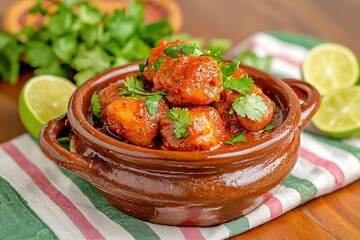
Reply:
x=50, y=145
x=309, y=99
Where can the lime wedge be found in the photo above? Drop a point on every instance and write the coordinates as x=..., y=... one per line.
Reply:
x=330, y=67
x=43, y=98
x=339, y=113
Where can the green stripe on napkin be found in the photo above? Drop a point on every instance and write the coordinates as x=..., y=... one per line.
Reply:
x=296, y=39
x=17, y=219
x=130, y=224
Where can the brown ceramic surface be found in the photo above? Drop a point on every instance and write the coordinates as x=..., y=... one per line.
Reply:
x=201, y=188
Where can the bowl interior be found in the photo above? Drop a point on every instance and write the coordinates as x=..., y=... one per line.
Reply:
x=79, y=108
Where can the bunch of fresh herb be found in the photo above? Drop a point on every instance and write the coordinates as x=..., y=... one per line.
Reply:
x=78, y=37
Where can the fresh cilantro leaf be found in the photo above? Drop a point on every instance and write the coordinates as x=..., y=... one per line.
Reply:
x=229, y=69
x=95, y=106
x=95, y=58
x=141, y=52
x=61, y=22
x=135, y=87
x=241, y=85
x=84, y=75
x=39, y=54
x=10, y=51
x=152, y=103
x=200, y=42
x=53, y=68
x=65, y=48
x=121, y=27
x=89, y=14
x=182, y=120
x=252, y=106
x=154, y=31
x=186, y=48
x=251, y=59
x=217, y=55
x=141, y=69
x=236, y=139
x=158, y=64
x=269, y=127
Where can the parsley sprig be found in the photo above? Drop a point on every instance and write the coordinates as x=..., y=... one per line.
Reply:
x=251, y=105
x=241, y=85
x=182, y=120
x=135, y=87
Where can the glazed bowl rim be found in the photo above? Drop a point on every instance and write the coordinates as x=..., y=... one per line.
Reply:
x=90, y=134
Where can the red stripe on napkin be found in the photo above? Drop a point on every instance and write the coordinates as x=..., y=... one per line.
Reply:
x=275, y=207
x=80, y=221
x=191, y=233
x=331, y=167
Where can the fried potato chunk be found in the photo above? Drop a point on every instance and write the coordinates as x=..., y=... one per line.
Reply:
x=205, y=131
x=189, y=80
x=129, y=118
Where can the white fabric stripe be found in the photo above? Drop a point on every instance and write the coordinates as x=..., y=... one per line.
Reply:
x=99, y=220
x=164, y=232
x=259, y=216
x=279, y=47
x=320, y=177
x=285, y=69
x=346, y=161
x=354, y=142
x=289, y=198
x=40, y=203
x=273, y=45
x=215, y=233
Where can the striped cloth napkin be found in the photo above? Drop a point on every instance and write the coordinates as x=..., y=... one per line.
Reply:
x=39, y=200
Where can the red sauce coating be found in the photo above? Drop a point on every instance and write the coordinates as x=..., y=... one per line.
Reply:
x=189, y=80
x=155, y=54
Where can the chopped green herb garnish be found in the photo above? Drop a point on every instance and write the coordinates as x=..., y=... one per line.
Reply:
x=141, y=69
x=95, y=106
x=182, y=120
x=158, y=64
x=236, y=139
x=135, y=87
x=186, y=48
x=252, y=106
x=241, y=85
x=269, y=127
x=152, y=103
x=217, y=55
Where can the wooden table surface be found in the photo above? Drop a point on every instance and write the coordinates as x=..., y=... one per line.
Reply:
x=335, y=216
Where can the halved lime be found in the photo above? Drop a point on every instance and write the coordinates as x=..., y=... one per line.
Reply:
x=43, y=98
x=339, y=113
x=330, y=67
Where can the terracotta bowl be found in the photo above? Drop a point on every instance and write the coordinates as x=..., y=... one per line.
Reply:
x=201, y=188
